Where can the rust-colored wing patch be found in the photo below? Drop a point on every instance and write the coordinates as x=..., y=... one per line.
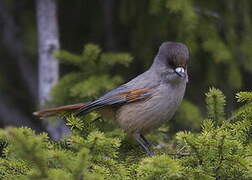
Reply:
x=138, y=94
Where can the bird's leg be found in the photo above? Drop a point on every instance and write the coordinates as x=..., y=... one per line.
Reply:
x=142, y=143
x=145, y=140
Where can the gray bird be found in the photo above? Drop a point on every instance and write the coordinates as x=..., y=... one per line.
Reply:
x=145, y=102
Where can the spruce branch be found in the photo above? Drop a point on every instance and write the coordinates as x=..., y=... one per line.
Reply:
x=215, y=101
x=221, y=157
x=244, y=97
x=30, y=149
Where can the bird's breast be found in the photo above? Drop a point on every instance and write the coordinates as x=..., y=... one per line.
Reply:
x=146, y=115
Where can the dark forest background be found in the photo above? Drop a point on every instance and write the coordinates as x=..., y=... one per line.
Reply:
x=218, y=34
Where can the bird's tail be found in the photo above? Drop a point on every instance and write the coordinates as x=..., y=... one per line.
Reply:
x=58, y=110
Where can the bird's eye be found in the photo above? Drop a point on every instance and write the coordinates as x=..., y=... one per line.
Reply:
x=171, y=63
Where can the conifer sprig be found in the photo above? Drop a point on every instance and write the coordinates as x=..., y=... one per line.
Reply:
x=244, y=97
x=215, y=103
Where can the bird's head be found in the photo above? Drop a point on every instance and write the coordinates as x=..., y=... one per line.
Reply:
x=171, y=60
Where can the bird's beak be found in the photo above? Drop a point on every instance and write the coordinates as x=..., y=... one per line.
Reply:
x=180, y=71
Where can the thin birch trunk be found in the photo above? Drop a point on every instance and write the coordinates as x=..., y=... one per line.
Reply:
x=48, y=43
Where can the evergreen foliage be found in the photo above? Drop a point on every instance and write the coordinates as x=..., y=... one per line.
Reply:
x=91, y=76
x=215, y=105
x=221, y=150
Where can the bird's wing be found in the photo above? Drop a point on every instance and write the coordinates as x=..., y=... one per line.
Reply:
x=117, y=98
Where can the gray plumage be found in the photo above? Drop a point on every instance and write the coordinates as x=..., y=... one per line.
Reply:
x=143, y=116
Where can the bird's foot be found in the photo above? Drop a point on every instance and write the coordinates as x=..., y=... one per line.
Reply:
x=144, y=143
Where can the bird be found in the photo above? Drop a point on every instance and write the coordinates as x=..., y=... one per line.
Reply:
x=145, y=102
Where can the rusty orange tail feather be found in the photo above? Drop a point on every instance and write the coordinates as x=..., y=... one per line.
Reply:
x=58, y=110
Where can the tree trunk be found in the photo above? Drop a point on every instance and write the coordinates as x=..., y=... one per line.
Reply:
x=48, y=43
